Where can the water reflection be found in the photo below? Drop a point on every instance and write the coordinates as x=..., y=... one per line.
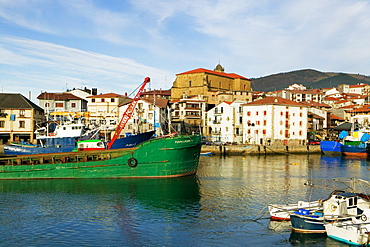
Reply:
x=307, y=239
x=225, y=204
x=94, y=212
x=280, y=226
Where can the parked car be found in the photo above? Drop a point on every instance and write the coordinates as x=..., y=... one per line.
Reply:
x=207, y=142
x=219, y=143
x=313, y=142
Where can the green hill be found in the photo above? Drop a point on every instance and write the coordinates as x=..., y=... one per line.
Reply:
x=307, y=77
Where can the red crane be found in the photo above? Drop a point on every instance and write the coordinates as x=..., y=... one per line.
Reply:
x=128, y=113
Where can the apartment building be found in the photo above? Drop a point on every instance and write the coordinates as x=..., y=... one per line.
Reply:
x=274, y=120
x=225, y=122
x=150, y=114
x=188, y=114
x=104, y=110
x=54, y=103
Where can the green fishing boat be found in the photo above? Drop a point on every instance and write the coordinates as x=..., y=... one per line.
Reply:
x=172, y=156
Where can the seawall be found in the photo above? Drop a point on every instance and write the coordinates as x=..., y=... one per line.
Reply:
x=262, y=149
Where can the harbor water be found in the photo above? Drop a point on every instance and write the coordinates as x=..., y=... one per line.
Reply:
x=223, y=205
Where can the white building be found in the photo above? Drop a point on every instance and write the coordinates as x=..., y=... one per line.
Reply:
x=225, y=122
x=274, y=119
x=187, y=114
x=104, y=110
x=148, y=115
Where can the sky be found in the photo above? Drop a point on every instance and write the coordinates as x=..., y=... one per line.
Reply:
x=112, y=45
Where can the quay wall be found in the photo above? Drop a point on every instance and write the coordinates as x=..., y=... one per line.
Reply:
x=252, y=149
x=262, y=149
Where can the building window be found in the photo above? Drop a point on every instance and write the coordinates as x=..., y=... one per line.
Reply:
x=240, y=120
x=59, y=104
x=227, y=129
x=256, y=113
x=112, y=100
x=264, y=113
x=22, y=124
x=248, y=113
x=264, y=122
x=47, y=104
x=73, y=105
x=264, y=132
x=300, y=132
x=103, y=100
x=92, y=100
x=21, y=113
x=300, y=123
x=2, y=124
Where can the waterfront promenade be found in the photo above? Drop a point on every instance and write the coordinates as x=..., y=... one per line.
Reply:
x=253, y=149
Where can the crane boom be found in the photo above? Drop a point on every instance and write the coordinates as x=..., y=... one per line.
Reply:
x=128, y=113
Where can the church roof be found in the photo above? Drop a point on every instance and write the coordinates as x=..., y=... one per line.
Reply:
x=201, y=70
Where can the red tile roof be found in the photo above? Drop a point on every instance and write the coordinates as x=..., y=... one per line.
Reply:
x=275, y=101
x=108, y=95
x=310, y=91
x=334, y=117
x=200, y=70
x=361, y=85
x=315, y=104
x=58, y=96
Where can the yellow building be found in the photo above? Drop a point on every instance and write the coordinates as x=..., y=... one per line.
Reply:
x=215, y=85
x=19, y=118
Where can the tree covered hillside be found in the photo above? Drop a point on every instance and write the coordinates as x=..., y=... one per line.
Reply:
x=307, y=77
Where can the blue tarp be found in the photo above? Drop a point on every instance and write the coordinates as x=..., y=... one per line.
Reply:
x=343, y=134
x=365, y=137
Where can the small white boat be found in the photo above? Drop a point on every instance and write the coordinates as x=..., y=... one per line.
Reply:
x=355, y=231
x=283, y=211
x=206, y=154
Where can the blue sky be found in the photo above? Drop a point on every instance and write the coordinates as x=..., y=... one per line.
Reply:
x=52, y=45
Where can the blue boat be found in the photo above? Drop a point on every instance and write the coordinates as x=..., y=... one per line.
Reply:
x=358, y=150
x=68, y=144
x=331, y=147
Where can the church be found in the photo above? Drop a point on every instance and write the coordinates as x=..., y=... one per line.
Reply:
x=215, y=86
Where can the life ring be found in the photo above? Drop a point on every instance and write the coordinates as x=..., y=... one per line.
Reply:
x=132, y=162
x=363, y=217
x=332, y=207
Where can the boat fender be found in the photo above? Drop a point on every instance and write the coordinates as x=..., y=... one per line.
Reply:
x=132, y=162
x=363, y=217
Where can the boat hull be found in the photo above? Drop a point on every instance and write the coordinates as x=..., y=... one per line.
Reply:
x=331, y=147
x=156, y=158
x=306, y=224
x=350, y=234
x=355, y=151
